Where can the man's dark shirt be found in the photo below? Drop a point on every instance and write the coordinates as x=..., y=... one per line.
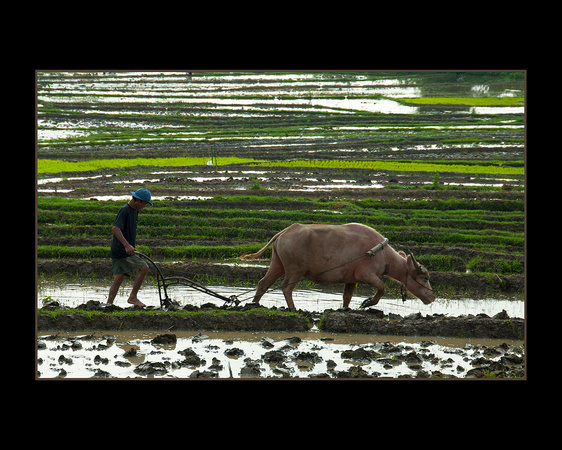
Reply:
x=126, y=220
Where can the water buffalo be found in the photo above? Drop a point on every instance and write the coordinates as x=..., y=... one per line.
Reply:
x=311, y=250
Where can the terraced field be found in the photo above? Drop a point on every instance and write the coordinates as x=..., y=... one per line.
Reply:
x=249, y=154
x=446, y=234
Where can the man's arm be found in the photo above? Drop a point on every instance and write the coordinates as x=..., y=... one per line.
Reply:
x=119, y=235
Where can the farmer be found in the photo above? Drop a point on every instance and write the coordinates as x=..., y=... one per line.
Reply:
x=123, y=257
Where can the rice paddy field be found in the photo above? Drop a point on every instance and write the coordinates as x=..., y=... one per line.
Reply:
x=433, y=161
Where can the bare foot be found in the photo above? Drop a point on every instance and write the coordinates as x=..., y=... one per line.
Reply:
x=136, y=301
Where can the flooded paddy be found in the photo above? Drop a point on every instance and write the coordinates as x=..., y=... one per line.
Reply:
x=208, y=180
x=71, y=295
x=79, y=109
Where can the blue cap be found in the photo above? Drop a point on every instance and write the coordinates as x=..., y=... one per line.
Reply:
x=142, y=194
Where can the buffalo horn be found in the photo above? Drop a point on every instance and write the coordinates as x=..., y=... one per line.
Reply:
x=416, y=264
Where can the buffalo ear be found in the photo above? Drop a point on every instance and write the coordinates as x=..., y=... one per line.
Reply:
x=422, y=270
x=409, y=262
x=401, y=253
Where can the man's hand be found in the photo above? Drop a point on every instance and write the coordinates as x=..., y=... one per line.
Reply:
x=119, y=235
x=130, y=249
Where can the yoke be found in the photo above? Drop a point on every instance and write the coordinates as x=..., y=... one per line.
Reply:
x=165, y=282
x=377, y=247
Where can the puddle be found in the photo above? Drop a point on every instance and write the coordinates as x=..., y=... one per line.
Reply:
x=60, y=179
x=497, y=110
x=379, y=106
x=385, y=106
x=48, y=135
x=248, y=355
x=55, y=191
x=154, y=197
x=240, y=180
x=74, y=294
x=346, y=185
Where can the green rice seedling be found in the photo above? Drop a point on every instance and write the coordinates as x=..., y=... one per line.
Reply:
x=399, y=166
x=57, y=165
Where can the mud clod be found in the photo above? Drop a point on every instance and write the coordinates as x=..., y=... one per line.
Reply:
x=360, y=355
x=165, y=339
x=151, y=369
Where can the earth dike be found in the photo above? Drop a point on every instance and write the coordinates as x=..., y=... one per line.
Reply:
x=95, y=316
x=373, y=321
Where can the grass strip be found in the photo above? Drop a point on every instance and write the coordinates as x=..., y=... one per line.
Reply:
x=181, y=313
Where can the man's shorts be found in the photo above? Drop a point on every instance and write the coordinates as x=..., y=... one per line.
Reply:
x=128, y=266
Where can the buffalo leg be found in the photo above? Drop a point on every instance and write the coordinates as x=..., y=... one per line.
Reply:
x=288, y=293
x=275, y=271
x=287, y=287
x=377, y=283
x=348, y=293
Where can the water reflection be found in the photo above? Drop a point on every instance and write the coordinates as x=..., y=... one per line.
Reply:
x=309, y=299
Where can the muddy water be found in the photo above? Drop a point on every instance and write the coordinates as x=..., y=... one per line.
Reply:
x=74, y=294
x=244, y=354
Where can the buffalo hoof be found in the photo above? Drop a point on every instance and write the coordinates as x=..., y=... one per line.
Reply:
x=366, y=303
